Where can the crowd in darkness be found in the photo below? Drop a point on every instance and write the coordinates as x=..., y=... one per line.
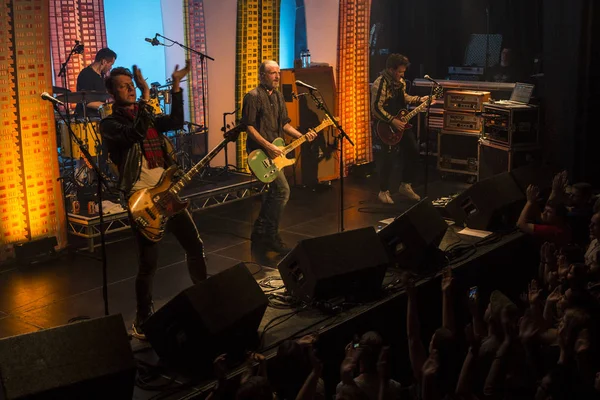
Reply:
x=543, y=345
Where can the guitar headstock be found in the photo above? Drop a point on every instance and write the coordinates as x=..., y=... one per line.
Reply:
x=324, y=124
x=232, y=134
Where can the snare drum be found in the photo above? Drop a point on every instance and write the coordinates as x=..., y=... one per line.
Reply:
x=87, y=133
x=155, y=104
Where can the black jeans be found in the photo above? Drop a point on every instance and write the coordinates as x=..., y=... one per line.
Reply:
x=182, y=226
x=273, y=204
x=404, y=156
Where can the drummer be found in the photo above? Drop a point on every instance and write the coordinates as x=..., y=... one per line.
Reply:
x=92, y=78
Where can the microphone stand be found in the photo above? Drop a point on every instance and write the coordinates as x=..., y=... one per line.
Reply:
x=102, y=180
x=202, y=57
x=63, y=73
x=321, y=106
x=427, y=133
x=225, y=126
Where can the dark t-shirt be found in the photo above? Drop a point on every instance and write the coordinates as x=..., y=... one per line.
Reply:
x=265, y=113
x=88, y=79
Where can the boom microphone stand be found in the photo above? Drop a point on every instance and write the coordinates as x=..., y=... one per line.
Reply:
x=427, y=135
x=102, y=181
x=321, y=106
x=202, y=57
x=224, y=129
x=77, y=49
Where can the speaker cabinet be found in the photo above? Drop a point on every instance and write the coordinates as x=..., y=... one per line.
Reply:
x=90, y=359
x=350, y=264
x=491, y=204
x=495, y=159
x=218, y=315
x=412, y=239
x=316, y=160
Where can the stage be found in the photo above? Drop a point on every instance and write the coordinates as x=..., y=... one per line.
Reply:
x=53, y=293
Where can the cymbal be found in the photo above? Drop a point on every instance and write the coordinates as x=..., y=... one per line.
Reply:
x=58, y=89
x=84, y=96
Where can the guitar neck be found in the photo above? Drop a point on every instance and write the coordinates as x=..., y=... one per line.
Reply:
x=416, y=110
x=187, y=178
x=294, y=144
x=326, y=122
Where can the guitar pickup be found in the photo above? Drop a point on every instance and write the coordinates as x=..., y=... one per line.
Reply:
x=150, y=213
x=267, y=162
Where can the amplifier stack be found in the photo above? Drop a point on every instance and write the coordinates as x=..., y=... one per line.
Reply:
x=463, y=125
x=510, y=138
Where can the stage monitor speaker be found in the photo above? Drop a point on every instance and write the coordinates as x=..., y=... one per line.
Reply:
x=91, y=359
x=218, y=315
x=490, y=204
x=351, y=264
x=316, y=162
x=412, y=239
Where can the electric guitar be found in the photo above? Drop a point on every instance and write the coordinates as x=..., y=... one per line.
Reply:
x=151, y=208
x=265, y=169
x=392, y=136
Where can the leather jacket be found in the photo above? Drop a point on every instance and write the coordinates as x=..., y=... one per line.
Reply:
x=124, y=139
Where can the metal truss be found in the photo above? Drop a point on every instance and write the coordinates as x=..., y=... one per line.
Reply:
x=89, y=226
x=226, y=195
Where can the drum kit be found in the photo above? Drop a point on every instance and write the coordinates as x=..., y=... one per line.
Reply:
x=86, y=129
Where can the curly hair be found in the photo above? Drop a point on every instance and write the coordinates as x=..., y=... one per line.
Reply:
x=396, y=60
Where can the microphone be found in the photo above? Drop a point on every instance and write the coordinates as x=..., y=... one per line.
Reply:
x=302, y=84
x=53, y=100
x=154, y=41
x=78, y=48
x=430, y=79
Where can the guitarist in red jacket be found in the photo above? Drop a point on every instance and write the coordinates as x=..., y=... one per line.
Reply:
x=137, y=146
x=388, y=97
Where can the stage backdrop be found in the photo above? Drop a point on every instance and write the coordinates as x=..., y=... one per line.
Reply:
x=127, y=24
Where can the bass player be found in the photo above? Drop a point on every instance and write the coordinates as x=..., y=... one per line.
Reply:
x=388, y=97
x=137, y=146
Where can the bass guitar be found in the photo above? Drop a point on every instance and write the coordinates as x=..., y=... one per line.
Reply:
x=265, y=169
x=392, y=136
x=151, y=208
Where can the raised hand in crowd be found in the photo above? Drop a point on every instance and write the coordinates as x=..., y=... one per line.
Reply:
x=349, y=364
x=431, y=367
x=309, y=389
x=252, y=359
x=528, y=327
x=308, y=340
x=532, y=193
x=447, y=279
x=533, y=293
x=559, y=186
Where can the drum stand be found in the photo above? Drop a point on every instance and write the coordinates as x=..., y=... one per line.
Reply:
x=86, y=169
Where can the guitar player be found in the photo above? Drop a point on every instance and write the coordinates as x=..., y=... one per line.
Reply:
x=265, y=117
x=388, y=97
x=137, y=146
